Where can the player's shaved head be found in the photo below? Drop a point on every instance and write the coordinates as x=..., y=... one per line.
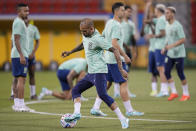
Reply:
x=88, y=23
x=87, y=27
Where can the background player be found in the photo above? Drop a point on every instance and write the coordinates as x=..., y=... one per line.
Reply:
x=19, y=55
x=147, y=30
x=67, y=72
x=33, y=35
x=175, y=39
x=114, y=35
x=159, y=35
x=129, y=43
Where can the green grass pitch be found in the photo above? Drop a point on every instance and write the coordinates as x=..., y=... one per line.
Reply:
x=155, y=109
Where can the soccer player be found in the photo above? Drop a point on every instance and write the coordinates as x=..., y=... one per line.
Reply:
x=114, y=35
x=67, y=72
x=33, y=35
x=175, y=49
x=147, y=30
x=19, y=56
x=94, y=45
x=159, y=36
x=129, y=43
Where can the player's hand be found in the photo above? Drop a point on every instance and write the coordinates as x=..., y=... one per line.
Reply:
x=163, y=51
x=31, y=55
x=124, y=74
x=127, y=59
x=65, y=54
x=151, y=36
x=22, y=60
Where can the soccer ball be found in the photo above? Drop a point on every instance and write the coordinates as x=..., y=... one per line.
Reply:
x=65, y=124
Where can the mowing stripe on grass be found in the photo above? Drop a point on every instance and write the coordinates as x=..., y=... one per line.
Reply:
x=92, y=117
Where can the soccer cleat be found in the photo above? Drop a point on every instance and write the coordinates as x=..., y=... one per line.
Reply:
x=11, y=97
x=184, y=98
x=116, y=95
x=125, y=123
x=172, y=96
x=162, y=94
x=83, y=98
x=134, y=113
x=73, y=117
x=34, y=97
x=42, y=94
x=15, y=108
x=96, y=112
x=153, y=93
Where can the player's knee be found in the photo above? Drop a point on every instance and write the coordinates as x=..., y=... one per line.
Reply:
x=181, y=75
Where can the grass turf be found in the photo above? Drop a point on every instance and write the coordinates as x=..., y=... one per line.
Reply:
x=139, y=83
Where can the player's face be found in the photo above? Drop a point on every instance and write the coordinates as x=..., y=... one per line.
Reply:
x=120, y=12
x=86, y=31
x=168, y=15
x=24, y=12
x=128, y=13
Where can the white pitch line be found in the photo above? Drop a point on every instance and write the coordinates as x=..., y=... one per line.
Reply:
x=92, y=117
x=112, y=118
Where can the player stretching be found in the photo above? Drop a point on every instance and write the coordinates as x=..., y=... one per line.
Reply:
x=129, y=43
x=94, y=45
x=19, y=55
x=67, y=72
x=160, y=24
x=114, y=35
x=175, y=49
x=147, y=30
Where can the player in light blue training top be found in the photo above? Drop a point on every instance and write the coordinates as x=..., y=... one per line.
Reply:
x=175, y=39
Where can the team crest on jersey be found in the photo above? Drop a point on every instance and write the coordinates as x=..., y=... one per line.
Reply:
x=90, y=45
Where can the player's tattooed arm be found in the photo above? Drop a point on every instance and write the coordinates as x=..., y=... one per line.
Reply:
x=119, y=62
x=78, y=48
x=17, y=43
x=122, y=53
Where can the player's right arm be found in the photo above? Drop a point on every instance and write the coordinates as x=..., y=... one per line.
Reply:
x=17, y=43
x=70, y=77
x=78, y=48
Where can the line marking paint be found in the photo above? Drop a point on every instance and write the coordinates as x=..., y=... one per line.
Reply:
x=92, y=117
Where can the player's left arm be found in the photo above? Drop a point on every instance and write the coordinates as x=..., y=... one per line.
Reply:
x=119, y=62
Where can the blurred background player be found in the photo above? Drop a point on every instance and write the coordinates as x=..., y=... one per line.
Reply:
x=19, y=55
x=176, y=53
x=68, y=71
x=160, y=23
x=94, y=45
x=129, y=44
x=114, y=35
x=147, y=30
x=33, y=35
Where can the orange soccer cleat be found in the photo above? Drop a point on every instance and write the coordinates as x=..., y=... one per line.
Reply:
x=184, y=98
x=172, y=96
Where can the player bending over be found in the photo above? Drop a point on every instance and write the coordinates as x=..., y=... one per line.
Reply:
x=67, y=72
